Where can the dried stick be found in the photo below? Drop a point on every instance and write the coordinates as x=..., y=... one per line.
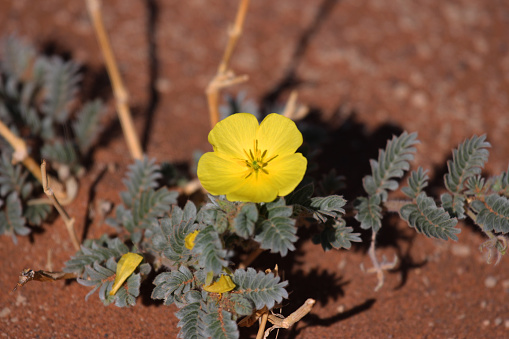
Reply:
x=28, y=275
x=21, y=155
x=119, y=91
x=20, y=151
x=69, y=222
x=289, y=321
x=224, y=77
x=292, y=111
x=263, y=324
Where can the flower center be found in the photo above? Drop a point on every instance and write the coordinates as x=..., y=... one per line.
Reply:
x=256, y=160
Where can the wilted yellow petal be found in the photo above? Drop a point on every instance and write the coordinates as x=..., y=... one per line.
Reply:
x=125, y=267
x=189, y=240
x=224, y=284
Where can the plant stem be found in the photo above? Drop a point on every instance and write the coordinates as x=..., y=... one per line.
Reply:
x=224, y=77
x=20, y=151
x=119, y=90
x=69, y=222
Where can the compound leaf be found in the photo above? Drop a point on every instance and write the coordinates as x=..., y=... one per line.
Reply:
x=209, y=249
x=417, y=181
x=170, y=237
x=278, y=232
x=86, y=127
x=61, y=80
x=369, y=212
x=467, y=161
x=12, y=221
x=142, y=176
x=392, y=163
x=263, y=289
x=493, y=213
x=429, y=219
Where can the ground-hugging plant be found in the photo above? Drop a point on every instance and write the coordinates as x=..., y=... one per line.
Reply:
x=38, y=96
x=191, y=248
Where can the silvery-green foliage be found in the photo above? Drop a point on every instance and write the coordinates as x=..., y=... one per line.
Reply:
x=263, y=289
x=492, y=213
x=429, y=219
x=467, y=161
x=392, y=164
x=277, y=231
x=12, y=221
x=61, y=79
x=168, y=237
x=98, y=250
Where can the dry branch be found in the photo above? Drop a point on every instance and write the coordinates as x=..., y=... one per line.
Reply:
x=119, y=90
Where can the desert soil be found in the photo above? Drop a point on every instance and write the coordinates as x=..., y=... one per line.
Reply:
x=366, y=69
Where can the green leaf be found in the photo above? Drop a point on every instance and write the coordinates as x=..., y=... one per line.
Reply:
x=493, y=213
x=189, y=317
x=241, y=304
x=467, y=161
x=99, y=250
x=219, y=324
x=87, y=125
x=244, y=222
x=142, y=176
x=173, y=284
x=60, y=86
x=369, y=212
x=454, y=204
x=278, y=232
x=17, y=56
x=392, y=163
x=417, y=181
x=36, y=214
x=209, y=249
x=331, y=206
x=261, y=288
x=337, y=236
x=13, y=178
x=429, y=219
x=170, y=237
x=152, y=204
x=12, y=221
x=60, y=152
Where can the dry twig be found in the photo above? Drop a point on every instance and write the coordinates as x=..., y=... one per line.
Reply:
x=119, y=90
x=225, y=77
x=69, y=222
x=28, y=275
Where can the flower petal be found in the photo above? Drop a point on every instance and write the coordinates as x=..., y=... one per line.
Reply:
x=234, y=134
x=220, y=174
x=278, y=135
x=254, y=189
x=285, y=173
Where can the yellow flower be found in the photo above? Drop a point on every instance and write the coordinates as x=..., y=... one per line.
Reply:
x=189, y=240
x=253, y=162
